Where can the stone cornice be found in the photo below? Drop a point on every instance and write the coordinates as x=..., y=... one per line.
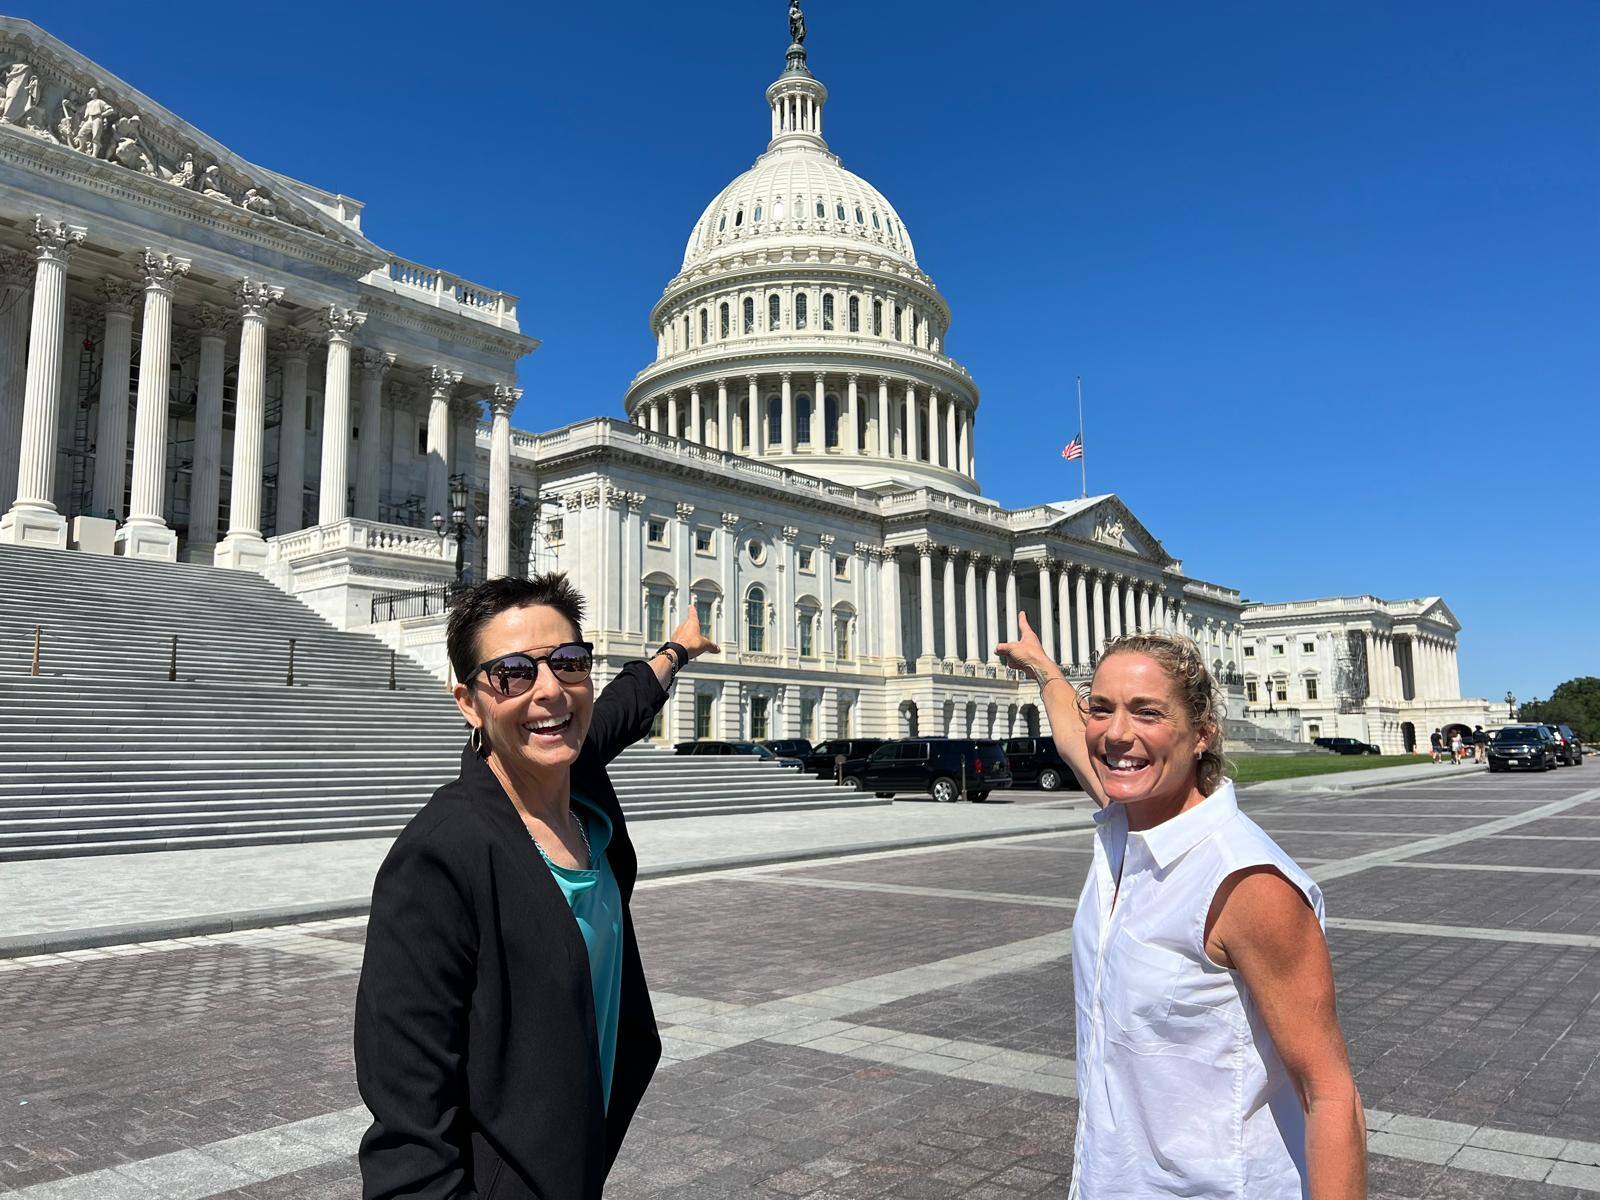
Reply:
x=461, y=331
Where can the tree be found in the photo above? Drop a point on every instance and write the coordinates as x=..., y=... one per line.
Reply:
x=1575, y=702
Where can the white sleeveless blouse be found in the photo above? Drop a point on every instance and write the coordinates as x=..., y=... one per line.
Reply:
x=1180, y=1090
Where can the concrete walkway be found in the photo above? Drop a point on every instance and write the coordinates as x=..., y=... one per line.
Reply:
x=54, y=905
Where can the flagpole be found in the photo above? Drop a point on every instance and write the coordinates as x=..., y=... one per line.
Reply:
x=1083, y=458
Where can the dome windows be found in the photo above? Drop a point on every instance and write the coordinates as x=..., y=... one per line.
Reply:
x=705, y=327
x=855, y=314
x=738, y=219
x=722, y=224
x=822, y=209
x=749, y=315
x=800, y=306
x=860, y=217
x=827, y=312
x=875, y=224
x=774, y=311
x=756, y=219
x=838, y=208
x=777, y=209
x=724, y=321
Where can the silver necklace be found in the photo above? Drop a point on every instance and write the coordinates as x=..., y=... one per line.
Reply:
x=583, y=833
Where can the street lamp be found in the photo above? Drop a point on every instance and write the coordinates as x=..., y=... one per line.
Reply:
x=457, y=524
x=1511, y=707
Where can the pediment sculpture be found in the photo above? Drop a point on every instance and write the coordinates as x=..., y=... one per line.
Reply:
x=54, y=107
x=1111, y=532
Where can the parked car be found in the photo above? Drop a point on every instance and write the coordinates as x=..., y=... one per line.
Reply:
x=937, y=766
x=1523, y=748
x=714, y=747
x=822, y=763
x=788, y=747
x=1570, y=749
x=1346, y=745
x=1035, y=760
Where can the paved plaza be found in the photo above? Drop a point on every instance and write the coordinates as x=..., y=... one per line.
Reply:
x=889, y=1024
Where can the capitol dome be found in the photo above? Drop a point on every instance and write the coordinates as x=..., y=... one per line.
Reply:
x=800, y=327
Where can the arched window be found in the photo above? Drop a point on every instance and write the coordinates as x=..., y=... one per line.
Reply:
x=774, y=311
x=896, y=334
x=749, y=314
x=875, y=224
x=838, y=210
x=855, y=314
x=756, y=220
x=774, y=421
x=830, y=422
x=722, y=224
x=860, y=217
x=738, y=219
x=777, y=209
x=705, y=327
x=802, y=419
x=877, y=318
x=822, y=209
x=755, y=620
x=800, y=310
x=685, y=331
x=827, y=311
x=722, y=322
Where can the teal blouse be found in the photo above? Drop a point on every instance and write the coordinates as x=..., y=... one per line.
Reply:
x=596, y=903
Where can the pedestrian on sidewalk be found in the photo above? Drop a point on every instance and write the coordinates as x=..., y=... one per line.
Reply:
x=1457, y=748
x=1436, y=741
x=1211, y=1064
x=503, y=1030
x=1480, y=745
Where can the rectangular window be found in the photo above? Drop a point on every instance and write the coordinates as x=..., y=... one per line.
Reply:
x=702, y=542
x=658, y=727
x=805, y=559
x=759, y=711
x=1250, y=690
x=841, y=566
x=655, y=618
x=847, y=713
x=1249, y=651
x=1308, y=647
x=808, y=719
x=1277, y=652
x=656, y=531
x=422, y=436
x=1311, y=689
x=702, y=610
x=827, y=312
x=702, y=716
x=355, y=433
x=1280, y=688
x=808, y=626
x=800, y=311
x=855, y=314
x=1313, y=731
x=841, y=637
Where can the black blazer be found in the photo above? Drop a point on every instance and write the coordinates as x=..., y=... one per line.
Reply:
x=475, y=1041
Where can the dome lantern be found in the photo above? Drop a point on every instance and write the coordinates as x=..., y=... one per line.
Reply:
x=797, y=97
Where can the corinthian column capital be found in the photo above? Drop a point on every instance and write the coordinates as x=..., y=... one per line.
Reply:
x=118, y=295
x=442, y=381
x=55, y=239
x=504, y=399
x=256, y=298
x=341, y=323
x=161, y=271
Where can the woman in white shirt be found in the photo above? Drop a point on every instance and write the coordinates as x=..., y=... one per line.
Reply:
x=1211, y=1064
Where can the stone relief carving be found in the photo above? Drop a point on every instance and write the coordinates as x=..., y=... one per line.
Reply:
x=1110, y=532
x=129, y=149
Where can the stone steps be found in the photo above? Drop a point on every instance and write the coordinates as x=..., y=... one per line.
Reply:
x=102, y=754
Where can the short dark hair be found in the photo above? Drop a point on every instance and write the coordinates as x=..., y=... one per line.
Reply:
x=483, y=602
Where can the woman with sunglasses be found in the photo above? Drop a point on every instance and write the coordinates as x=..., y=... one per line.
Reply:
x=503, y=1033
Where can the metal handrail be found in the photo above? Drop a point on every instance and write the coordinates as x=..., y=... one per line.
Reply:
x=415, y=602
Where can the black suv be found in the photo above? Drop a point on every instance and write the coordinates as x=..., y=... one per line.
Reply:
x=1036, y=760
x=1523, y=748
x=714, y=747
x=789, y=747
x=1344, y=745
x=937, y=766
x=1569, y=750
x=823, y=761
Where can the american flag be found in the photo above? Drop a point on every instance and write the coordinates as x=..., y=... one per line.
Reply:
x=1073, y=450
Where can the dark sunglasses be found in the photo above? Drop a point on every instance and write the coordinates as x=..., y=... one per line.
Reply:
x=513, y=674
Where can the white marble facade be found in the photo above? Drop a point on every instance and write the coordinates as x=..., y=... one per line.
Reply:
x=211, y=361
x=1385, y=671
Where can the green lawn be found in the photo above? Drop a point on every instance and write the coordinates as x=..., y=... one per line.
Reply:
x=1254, y=768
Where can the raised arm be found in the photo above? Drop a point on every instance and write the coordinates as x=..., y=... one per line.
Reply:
x=1062, y=705
x=624, y=712
x=410, y=1031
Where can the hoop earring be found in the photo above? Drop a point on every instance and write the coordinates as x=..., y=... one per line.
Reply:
x=479, y=743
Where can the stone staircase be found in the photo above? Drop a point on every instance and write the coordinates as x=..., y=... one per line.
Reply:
x=104, y=752
x=1246, y=737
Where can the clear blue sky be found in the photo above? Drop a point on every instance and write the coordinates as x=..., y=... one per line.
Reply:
x=1329, y=270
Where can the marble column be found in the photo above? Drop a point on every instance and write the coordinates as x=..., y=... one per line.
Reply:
x=441, y=385
x=17, y=270
x=786, y=418
x=1097, y=609
x=1144, y=608
x=925, y=599
x=244, y=548
x=884, y=446
x=32, y=518
x=1129, y=615
x=1083, y=650
x=696, y=421
x=500, y=405
x=972, y=652
x=674, y=426
x=111, y=434
x=333, y=485
x=294, y=345
x=913, y=426
x=145, y=534
x=1064, y=607
x=991, y=608
x=205, y=479
x=1114, y=608
x=653, y=416
x=889, y=622
x=964, y=437
x=724, y=419
x=1047, y=603
x=819, y=417
x=950, y=407
x=851, y=439
x=933, y=427
x=755, y=427
x=950, y=648
x=1012, y=629
x=375, y=365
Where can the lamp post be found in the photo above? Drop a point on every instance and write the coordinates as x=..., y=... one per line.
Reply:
x=457, y=525
x=1511, y=707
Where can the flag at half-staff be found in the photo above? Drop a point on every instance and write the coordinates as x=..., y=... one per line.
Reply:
x=1073, y=450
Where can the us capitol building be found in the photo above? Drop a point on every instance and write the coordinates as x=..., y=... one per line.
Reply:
x=203, y=359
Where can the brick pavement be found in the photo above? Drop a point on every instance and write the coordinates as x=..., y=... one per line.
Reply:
x=889, y=1025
